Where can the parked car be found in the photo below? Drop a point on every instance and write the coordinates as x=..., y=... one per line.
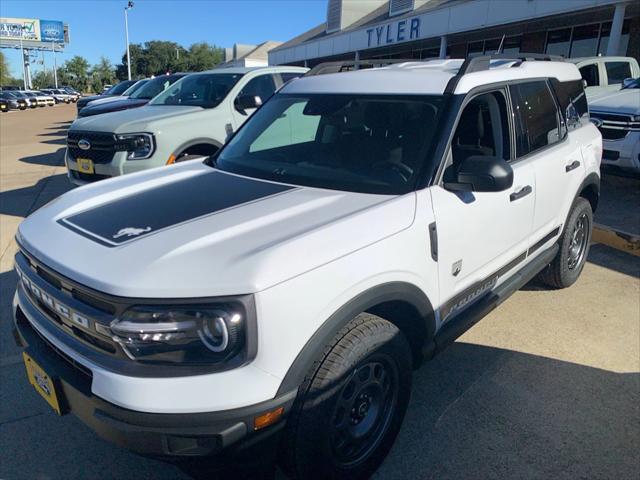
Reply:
x=49, y=100
x=31, y=102
x=137, y=99
x=129, y=91
x=38, y=100
x=106, y=87
x=4, y=105
x=605, y=74
x=12, y=101
x=9, y=87
x=116, y=90
x=73, y=92
x=617, y=116
x=58, y=95
x=281, y=292
x=191, y=118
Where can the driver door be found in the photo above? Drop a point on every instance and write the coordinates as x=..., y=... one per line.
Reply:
x=481, y=233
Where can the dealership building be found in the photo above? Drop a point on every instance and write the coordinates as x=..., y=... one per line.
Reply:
x=371, y=29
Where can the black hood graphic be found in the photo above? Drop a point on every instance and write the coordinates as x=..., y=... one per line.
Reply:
x=141, y=214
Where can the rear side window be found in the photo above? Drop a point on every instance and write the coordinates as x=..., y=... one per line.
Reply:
x=572, y=100
x=536, y=117
x=617, y=71
x=590, y=74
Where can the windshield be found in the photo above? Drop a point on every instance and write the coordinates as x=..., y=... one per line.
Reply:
x=632, y=84
x=360, y=143
x=156, y=86
x=201, y=90
x=134, y=87
x=119, y=88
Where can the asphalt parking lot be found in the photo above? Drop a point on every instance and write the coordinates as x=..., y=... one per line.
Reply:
x=547, y=386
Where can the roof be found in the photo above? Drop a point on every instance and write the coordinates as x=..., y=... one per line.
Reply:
x=428, y=78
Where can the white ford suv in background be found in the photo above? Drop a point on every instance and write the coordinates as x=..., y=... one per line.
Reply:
x=282, y=290
x=191, y=118
x=617, y=115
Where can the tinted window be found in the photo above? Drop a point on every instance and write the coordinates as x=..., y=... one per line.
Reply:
x=537, y=116
x=617, y=71
x=572, y=100
x=360, y=143
x=261, y=86
x=590, y=74
x=205, y=90
x=558, y=42
x=155, y=86
x=120, y=88
x=585, y=40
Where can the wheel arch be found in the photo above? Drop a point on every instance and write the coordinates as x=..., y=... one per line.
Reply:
x=590, y=190
x=403, y=304
x=197, y=142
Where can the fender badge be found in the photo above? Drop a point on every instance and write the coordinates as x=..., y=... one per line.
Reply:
x=456, y=268
x=131, y=232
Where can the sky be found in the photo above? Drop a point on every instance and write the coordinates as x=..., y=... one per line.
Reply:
x=96, y=27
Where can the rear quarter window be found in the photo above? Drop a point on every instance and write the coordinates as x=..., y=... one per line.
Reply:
x=572, y=101
x=617, y=71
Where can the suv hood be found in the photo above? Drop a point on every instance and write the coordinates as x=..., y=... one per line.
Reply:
x=127, y=121
x=193, y=231
x=114, y=106
x=623, y=101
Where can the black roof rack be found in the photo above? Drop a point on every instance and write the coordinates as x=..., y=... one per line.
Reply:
x=349, y=65
x=482, y=63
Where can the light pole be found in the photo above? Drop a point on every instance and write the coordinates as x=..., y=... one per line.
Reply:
x=126, y=32
x=24, y=70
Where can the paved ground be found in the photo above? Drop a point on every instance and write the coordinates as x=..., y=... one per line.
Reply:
x=547, y=386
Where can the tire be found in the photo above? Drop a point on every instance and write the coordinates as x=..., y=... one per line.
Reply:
x=351, y=405
x=566, y=267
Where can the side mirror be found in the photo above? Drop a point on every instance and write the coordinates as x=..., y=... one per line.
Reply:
x=584, y=83
x=479, y=173
x=627, y=82
x=247, y=102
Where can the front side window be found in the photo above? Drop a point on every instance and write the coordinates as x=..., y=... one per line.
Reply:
x=482, y=129
x=204, y=90
x=617, y=71
x=262, y=86
x=536, y=115
x=120, y=88
x=359, y=143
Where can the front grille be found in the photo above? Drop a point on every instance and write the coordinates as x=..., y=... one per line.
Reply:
x=615, y=126
x=102, y=149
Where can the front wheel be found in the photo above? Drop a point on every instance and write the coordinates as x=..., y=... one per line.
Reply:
x=350, y=408
x=566, y=267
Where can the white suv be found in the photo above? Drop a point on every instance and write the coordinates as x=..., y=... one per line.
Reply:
x=284, y=289
x=191, y=118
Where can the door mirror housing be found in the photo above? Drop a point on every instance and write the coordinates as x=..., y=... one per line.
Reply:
x=247, y=102
x=627, y=82
x=479, y=173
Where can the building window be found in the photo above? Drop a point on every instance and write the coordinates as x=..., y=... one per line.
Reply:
x=558, y=42
x=509, y=45
x=584, y=42
x=475, y=48
x=624, y=38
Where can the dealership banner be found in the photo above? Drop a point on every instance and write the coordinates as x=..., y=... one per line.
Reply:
x=31, y=29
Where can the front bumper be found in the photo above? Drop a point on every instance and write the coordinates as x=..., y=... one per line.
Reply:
x=623, y=153
x=154, y=434
x=119, y=165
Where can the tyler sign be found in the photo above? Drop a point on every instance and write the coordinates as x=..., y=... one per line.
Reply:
x=395, y=32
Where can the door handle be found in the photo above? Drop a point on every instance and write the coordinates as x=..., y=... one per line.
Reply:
x=523, y=192
x=572, y=166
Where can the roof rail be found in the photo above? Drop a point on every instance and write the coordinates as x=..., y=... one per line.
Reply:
x=349, y=65
x=482, y=63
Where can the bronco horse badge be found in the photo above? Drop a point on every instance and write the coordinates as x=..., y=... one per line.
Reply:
x=131, y=232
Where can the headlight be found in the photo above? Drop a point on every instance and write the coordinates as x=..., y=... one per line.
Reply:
x=183, y=334
x=138, y=145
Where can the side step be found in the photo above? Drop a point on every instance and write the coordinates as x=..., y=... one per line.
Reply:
x=466, y=319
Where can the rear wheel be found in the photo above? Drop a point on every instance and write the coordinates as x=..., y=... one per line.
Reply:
x=352, y=404
x=566, y=267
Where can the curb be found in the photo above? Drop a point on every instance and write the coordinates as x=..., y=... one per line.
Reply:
x=623, y=241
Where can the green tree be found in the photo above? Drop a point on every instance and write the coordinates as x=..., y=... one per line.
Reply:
x=5, y=72
x=102, y=74
x=76, y=73
x=43, y=79
x=203, y=56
